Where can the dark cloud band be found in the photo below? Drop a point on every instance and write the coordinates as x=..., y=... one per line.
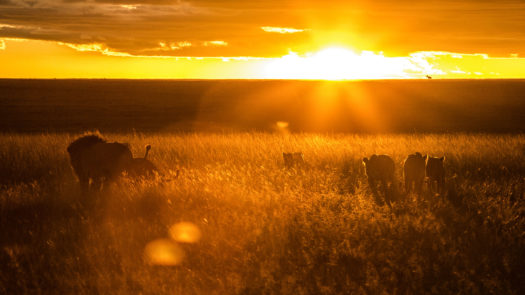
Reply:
x=396, y=27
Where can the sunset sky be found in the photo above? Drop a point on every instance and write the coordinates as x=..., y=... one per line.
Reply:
x=214, y=39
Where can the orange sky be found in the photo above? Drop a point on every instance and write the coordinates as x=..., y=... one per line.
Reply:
x=212, y=39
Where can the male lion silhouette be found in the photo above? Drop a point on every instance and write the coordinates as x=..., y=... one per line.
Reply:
x=380, y=170
x=141, y=167
x=414, y=172
x=97, y=162
x=435, y=171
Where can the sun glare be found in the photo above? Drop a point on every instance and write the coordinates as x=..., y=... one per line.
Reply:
x=338, y=63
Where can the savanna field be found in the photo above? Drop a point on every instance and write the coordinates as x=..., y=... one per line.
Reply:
x=225, y=216
x=265, y=229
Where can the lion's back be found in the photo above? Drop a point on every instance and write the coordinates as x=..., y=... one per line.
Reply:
x=414, y=166
x=106, y=159
x=92, y=156
x=380, y=167
x=435, y=168
x=79, y=150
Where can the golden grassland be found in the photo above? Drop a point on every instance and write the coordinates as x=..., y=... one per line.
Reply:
x=265, y=229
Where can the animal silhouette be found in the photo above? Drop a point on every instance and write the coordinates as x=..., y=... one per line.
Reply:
x=380, y=170
x=97, y=162
x=141, y=167
x=414, y=172
x=435, y=172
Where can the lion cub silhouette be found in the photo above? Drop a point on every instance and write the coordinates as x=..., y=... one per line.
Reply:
x=414, y=172
x=293, y=160
x=380, y=170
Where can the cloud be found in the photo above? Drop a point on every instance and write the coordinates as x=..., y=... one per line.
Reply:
x=103, y=49
x=282, y=30
x=440, y=54
x=131, y=2
x=458, y=71
x=129, y=7
x=95, y=47
x=396, y=27
x=8, y=26
x=162, y=48
x=215, y=43
x=174, y=45
x=465, y=65
x=24, y=31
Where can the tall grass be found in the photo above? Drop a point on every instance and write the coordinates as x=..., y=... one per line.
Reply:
x=265, y=229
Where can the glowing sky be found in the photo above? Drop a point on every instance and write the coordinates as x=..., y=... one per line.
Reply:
x=262, y=39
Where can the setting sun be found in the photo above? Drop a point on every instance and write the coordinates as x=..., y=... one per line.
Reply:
x=337, y=63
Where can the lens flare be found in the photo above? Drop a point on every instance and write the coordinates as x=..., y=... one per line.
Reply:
x=185, y=232
x=163, y=252
x=282, y=124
